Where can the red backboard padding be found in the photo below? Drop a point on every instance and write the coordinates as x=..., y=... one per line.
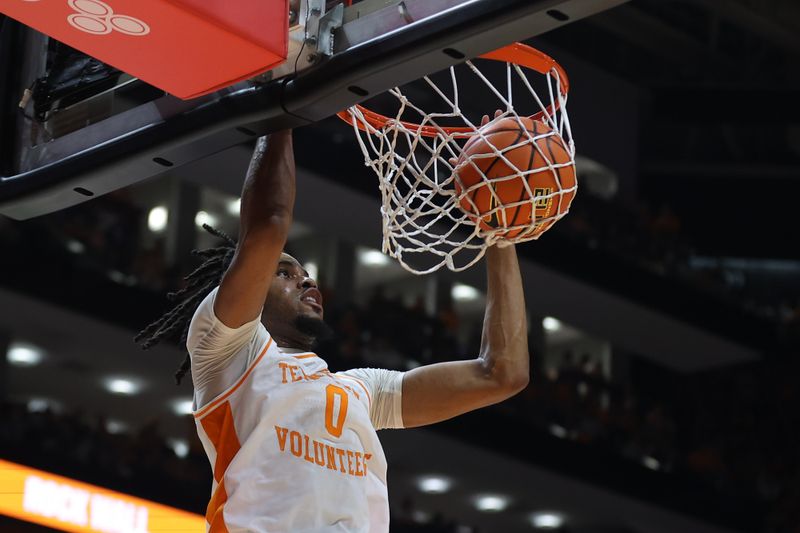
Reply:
x=187, y=48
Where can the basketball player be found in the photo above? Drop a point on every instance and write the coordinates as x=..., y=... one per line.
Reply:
x=293, y=446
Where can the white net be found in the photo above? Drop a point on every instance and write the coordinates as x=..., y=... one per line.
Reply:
x=442, y=207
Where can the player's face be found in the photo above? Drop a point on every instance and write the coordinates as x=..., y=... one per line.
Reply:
x=293, y=294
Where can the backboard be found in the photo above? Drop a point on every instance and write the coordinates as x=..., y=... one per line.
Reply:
x=74, y=128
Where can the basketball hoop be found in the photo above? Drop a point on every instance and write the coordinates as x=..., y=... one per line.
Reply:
x=413, y=151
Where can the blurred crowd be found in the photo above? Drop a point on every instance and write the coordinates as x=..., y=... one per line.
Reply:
x=109, y=233
x=656, y=239
x=732, y=432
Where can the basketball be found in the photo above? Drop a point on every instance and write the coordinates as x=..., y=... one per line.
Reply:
x=538, y=156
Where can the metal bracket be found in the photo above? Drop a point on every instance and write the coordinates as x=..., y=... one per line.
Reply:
x=311, y=13
x=310, y=35
x=328, y=24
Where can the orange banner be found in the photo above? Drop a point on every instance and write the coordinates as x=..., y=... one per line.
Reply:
x=62, y=503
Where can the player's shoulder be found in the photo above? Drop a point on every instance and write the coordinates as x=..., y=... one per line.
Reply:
x=374, y=377
x=357, y=372
x=207, y=331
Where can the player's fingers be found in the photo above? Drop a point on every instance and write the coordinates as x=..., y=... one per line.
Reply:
x=453, y=161
x=484, y=120
x=498, y=113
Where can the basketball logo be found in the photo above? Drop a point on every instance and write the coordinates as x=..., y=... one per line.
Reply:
x=492, y=219
x=543, y=197
x=98, y=18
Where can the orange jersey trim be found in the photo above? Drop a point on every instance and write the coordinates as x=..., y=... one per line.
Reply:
x=221, y=431
x=214, y=512
x=361, y=383
x=238, y=384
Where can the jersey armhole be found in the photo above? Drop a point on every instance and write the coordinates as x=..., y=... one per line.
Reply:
x=219, y=398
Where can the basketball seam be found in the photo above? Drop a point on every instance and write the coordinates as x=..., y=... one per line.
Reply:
x=524, y=189
x=488, y=169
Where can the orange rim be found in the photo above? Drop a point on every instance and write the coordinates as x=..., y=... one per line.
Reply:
x=516, y=53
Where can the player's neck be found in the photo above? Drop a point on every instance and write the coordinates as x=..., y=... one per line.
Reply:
x=295, y=342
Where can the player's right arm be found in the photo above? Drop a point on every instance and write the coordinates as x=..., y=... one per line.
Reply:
x=266, y=212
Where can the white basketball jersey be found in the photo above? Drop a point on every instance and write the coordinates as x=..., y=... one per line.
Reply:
x=293, y=448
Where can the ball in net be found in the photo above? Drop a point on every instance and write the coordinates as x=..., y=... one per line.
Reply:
x=515, y=178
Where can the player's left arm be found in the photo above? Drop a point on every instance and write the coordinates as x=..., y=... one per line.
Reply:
x=440, y=391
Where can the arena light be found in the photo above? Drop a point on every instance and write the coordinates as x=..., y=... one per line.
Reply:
x=22, y=354
x=115, y=427
x=180, y=447
x=373, y=258
x=234, y=207
x=75, y=246
x=464, y=293
x=651, y=462
x=558, y=431
x=157, y=218
x=547, y=520
x=182, y=407
x=420, y=516
x=204, y=218
x=551, y=324
x=434, y=484
x=312, y=269
x=38, y=405
x=491, y=503
x=122, y=386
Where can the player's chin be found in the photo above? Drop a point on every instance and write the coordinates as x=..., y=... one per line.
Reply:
x=317, y=314
x=313, y=325
x=312, y=310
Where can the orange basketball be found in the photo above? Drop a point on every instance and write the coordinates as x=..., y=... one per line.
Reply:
x=552, y=171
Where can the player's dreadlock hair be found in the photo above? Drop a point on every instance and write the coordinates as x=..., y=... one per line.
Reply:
x=175, y=323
